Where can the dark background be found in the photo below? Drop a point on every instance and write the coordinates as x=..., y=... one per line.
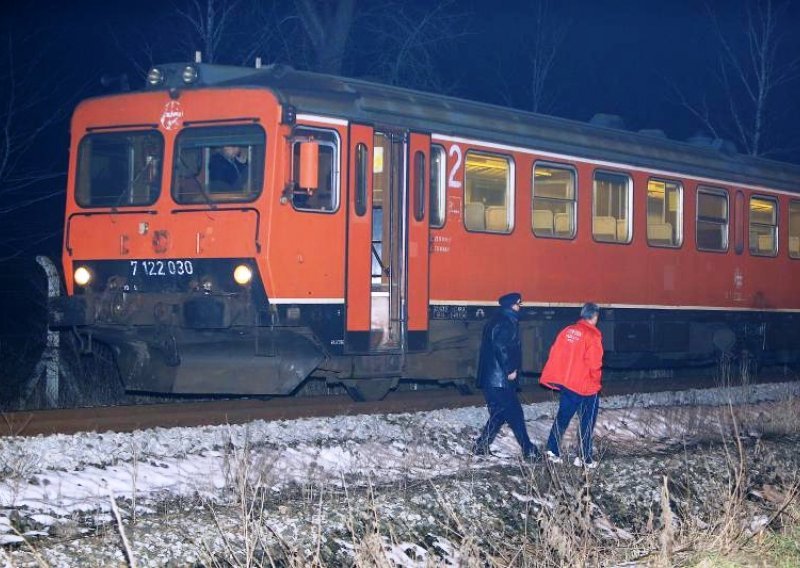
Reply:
x=632, y=58
x=650, y=62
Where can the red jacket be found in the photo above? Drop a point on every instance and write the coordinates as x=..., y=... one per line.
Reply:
x=575, y=360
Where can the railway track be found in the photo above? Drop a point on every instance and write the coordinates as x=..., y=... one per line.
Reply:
x=236, y=411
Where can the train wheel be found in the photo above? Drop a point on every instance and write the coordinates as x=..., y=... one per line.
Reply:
x=366, y=390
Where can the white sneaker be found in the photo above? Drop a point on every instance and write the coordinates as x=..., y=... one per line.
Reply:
x=578, y=462
x=553, y=458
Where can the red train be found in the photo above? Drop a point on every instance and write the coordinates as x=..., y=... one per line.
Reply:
x=237, y=230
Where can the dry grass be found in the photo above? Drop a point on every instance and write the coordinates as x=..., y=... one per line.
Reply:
x=558, y=522
x=557, y=519
x=732, y=503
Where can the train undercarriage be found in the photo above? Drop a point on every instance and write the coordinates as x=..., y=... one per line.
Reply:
x=220, y=355
x=189, y=338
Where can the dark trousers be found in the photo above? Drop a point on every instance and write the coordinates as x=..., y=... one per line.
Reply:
x=504, y=408
x=586, y=407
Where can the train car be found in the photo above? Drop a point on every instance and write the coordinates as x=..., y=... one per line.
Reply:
x=238, y=230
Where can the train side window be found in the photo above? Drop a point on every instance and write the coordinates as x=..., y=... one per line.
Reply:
x=419, y=186
x=326, y=197
x=664, y=213
x=362, y=161
x=712, y=219
x=794, y=228
x=763, y=235
x=437, y=207
x=554, y=199
x=611, y=208
x=488, y=195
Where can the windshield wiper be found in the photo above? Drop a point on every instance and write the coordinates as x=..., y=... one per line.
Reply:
x=129, y=190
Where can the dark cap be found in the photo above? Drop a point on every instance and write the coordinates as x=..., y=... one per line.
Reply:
x=509, y=299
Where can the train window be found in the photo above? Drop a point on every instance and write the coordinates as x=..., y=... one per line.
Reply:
x=419, y=186
x=119, y=169
x=362, y=162
x=712, y=219
x=611, y=208
x=438, y=165
x=326, y=197
x=488, y=196
x=664, y=213
x=763, y=226
x=794, y=228
x=218, y=164
x=554, y=201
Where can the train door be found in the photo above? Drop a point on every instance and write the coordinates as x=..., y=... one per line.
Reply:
x=418, y=175
x=387, y=254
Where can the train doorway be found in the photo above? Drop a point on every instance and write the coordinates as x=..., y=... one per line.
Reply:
x=388, y=243
x=387, y=258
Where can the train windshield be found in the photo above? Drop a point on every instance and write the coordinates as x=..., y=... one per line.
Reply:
x=216, y=164
x=119, y=169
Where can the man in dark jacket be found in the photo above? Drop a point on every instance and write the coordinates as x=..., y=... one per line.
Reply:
x=227, y=169
x=499, y=363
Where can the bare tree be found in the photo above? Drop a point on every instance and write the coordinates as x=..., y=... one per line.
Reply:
x=545, y=39
x=137, y=46
x=404, y=42
x=210, y=23
x=274, y=36
x=222, y=31
x=752, y=67
x=29, y=109
x=218, y=29
x=22, y=92
x=534, y=53
x=392, y=40
x=328, y=25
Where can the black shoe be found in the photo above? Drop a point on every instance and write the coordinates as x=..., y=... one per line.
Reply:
x=480, y=451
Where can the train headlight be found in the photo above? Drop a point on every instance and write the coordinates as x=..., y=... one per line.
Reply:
x=155, y=77
x=189, y=74
x=243, y=274
x=82, y=276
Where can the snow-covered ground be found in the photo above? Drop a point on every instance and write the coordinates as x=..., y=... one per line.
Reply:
x=58, y=490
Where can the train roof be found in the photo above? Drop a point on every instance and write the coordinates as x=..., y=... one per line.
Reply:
x=385, y=105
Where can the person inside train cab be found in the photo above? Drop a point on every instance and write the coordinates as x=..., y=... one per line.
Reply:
x=227, y=169
x=574, y=368
x=499, y=362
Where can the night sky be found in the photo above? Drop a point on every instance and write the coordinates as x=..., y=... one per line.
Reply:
x=624, y=57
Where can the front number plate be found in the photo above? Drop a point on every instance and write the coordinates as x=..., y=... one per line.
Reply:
x=156, y=268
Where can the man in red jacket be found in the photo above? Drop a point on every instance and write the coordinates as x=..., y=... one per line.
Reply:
x=574, y=369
